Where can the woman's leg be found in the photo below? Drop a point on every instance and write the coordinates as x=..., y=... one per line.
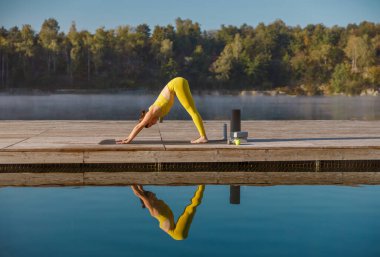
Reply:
x=182, y=90
x=183, y=224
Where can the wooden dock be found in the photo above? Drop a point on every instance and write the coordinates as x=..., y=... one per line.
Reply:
x=33, y=152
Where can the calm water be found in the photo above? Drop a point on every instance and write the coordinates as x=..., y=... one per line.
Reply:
x=270, y=221
x=128, y=106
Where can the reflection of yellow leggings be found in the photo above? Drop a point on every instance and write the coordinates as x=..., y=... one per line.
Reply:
x=181, y=88
x=183, y=224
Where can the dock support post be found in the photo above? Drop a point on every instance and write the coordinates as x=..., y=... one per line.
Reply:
x=317, y=165
x=234, y=194
x=225, y=137
x=235, y=125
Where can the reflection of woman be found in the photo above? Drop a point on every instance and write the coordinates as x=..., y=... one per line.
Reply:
x=164, y=214
x=179, y=87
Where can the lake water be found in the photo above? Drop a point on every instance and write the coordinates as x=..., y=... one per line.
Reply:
x=110, y=221
x=128, y=107
x=269, y=221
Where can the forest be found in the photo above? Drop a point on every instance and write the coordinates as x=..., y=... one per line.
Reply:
x=310, y=60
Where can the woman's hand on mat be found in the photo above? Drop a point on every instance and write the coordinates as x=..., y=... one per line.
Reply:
x=136, y=190
x=123, y=141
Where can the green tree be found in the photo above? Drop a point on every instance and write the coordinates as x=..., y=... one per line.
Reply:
x=169, y=69
x=49, y=40
x=343, y=81
x=228, y=59
x=166, y=50
x=165, y=58
x=4, y=50
x=74, y=49
x=306, y=59
x=98, y=48
x=226, y=34
x=373, y=75
x=14, y=69
x=188, y=35
x=25, y=46
x=87, y=39
x=360, y=52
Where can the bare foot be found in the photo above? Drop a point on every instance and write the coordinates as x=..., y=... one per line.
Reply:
x=200, y=140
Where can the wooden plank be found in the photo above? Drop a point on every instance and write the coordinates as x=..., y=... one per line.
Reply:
x=41, y=179
x=361, y=178
x=301, y=154
x=81, y=144
x=307, y=178
x=23, y=128
x=141, y=156
x=189, y=178
x=153, y=178
x=5, y=142
x=187, y=156
x=18, y=157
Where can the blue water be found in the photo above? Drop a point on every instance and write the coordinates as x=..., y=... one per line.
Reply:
x=269, y=221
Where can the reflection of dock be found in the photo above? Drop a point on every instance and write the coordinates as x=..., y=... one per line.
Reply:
x=278, y=152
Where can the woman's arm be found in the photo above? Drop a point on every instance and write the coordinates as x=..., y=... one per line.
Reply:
x=143, y=198
x=136, y=130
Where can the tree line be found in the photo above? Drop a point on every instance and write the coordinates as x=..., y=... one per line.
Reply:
x=314, y=59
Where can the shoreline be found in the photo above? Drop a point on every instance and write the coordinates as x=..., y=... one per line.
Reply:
x=275, y=92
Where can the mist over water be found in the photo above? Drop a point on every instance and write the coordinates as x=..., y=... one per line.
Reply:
x=211, y=107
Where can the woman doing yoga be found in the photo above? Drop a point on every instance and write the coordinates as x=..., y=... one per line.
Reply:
x=162, y=212
x=179, y=87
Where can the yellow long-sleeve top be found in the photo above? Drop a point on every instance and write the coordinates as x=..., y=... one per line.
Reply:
x=180, y=230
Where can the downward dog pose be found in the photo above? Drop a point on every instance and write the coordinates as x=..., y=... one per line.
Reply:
x=179, y=87
x=162, y=212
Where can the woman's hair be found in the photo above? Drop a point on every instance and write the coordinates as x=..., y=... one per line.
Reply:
x=142, y=204
x=142, y=115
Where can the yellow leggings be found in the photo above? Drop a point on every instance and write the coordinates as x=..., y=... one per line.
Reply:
x=181, y=88
x=183, y=223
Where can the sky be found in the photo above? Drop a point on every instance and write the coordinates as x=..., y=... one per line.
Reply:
x=211, y=14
